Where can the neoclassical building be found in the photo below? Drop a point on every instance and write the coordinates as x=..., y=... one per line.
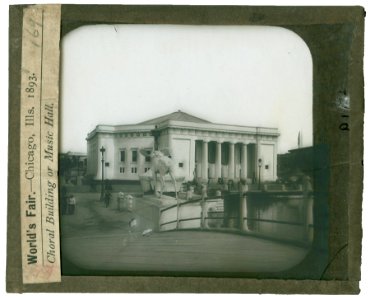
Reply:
x=198, y=148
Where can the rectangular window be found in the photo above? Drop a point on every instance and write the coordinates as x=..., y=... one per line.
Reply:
x=147, y=156
x=122, y=170
x=133, y=170
x=134, y=155
x=123, y=155
x=146, y=169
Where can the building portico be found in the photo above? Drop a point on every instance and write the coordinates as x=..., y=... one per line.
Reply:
x=232, y=160
x=222, y=151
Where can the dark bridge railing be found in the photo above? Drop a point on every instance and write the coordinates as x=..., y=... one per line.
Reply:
x=299, y=228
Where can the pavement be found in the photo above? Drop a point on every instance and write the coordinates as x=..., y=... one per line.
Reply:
x=97, y=239
x=91, y=217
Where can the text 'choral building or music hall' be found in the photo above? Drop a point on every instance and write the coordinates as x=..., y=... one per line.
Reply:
x=199, y=149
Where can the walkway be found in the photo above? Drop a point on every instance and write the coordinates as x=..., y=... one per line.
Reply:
x=99, y=238
x=187, y=251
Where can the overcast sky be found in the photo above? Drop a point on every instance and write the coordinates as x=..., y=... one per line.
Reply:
x=243, y=75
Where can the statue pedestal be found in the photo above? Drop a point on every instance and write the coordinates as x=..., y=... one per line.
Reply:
x=147, y=183
x=161, y=202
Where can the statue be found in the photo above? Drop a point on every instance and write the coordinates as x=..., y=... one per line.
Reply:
x=161, y=164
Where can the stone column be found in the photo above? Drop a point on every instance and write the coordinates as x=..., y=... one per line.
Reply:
x=218, y=160
x=243, y=213
x=231, y=160
x=244, y=161
x=243, y=206
x=257, y=157
x=205, y=160
x=140, y=163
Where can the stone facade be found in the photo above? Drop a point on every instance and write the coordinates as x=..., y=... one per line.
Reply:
x=200, y=149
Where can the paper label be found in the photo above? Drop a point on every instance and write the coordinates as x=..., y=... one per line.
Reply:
x=39, y=144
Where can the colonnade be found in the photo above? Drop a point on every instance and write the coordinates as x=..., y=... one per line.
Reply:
x=231, y=163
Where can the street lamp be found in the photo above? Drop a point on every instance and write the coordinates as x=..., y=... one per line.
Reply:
x=259, y=172
x=102, y=150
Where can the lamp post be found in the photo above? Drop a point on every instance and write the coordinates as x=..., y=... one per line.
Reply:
x=102, y=150
x=259, y=172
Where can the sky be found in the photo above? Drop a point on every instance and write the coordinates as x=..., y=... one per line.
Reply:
x=240, y=75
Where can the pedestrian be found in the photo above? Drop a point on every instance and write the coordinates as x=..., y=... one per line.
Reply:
x=71, y=205
x=189, y=193
x=132, y=224
x=306, y=185
x=203, y=204
x=120, y=197
x=107, y=197
x=63, y=200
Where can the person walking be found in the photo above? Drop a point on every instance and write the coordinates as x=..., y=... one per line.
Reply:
x=120, y=198
x=63, y=200
x=71, y=205
x=107, y=197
